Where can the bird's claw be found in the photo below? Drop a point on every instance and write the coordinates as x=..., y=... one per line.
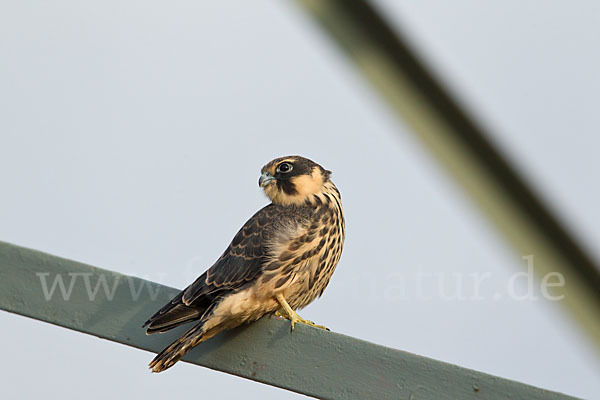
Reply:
x=295, y=318
x=310, y=323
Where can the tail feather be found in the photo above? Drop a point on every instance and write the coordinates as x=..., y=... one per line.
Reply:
x=169, y=356
x=174, y=317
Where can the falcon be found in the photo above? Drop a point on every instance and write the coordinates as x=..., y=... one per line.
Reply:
x=278, y=262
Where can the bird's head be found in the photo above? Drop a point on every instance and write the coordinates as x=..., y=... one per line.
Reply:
x=292, y=180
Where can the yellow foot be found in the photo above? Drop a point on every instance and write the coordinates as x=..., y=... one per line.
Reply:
x=295, y=318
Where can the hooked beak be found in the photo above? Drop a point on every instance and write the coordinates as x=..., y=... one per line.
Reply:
x=265, y=179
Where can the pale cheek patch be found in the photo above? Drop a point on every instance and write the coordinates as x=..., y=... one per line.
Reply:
x=305, y=185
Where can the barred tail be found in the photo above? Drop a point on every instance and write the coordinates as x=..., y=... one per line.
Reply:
x=169, y=356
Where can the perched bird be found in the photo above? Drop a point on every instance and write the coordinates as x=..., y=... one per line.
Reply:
x=279, y=261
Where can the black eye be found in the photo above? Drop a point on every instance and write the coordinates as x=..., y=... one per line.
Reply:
x=284, y=168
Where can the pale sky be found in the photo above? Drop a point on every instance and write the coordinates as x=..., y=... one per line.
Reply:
x=133, y=135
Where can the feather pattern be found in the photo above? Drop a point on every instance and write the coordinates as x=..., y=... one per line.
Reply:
x=241, y=263
x=289, y=248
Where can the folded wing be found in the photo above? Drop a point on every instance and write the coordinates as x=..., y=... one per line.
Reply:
x=240, y=264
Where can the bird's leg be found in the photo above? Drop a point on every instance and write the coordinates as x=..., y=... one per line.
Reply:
x=286, y=312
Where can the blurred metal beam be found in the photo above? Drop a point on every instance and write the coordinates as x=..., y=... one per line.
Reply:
x=310, y=361
x=387, y=61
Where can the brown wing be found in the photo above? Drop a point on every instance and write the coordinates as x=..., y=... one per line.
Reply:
x=240, y=264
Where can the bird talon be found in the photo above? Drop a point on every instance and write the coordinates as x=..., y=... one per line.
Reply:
x=294, y=318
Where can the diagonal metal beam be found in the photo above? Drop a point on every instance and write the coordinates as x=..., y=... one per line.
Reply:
x=310, y=361
x=387, y=61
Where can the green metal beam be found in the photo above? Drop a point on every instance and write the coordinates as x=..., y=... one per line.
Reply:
x=310, y=361
x=387, y=61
